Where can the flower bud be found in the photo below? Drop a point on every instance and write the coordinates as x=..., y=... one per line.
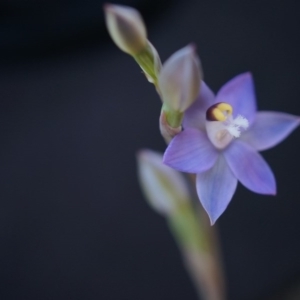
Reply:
x=164, y=188
x=179, y=79
x=126, y=28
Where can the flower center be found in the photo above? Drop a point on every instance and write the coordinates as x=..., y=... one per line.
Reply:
x=221, y=127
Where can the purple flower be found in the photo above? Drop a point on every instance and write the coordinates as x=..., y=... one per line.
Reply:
x=221, y=137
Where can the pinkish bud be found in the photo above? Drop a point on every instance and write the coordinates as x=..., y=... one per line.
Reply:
x=179, y=79
x=126, y=28
x=164, y=188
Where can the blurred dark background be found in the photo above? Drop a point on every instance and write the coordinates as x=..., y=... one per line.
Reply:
x=74, y=111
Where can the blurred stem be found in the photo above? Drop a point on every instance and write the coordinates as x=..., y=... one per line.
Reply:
x=198, y=244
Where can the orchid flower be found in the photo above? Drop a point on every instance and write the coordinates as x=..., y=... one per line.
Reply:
x=220, y=142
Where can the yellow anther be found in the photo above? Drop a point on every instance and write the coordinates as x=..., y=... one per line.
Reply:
x=225, y=107
x=218, y=115
x=219, y=112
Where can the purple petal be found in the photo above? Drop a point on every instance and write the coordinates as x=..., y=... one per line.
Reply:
x=269, y=129
x=195, y=116
x=190, y=151
x=250, y=168
x=215, y=188
x=239, y=93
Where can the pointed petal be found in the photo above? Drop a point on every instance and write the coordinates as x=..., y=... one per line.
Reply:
x=195, y=116
x=215, y=188
x=190, y=151
x=250, y=168
x=239, y=93
x=269, y=129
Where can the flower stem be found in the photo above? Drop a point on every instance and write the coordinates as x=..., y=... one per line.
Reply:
x=173, y=117
x=149, y=61
x=197, y=242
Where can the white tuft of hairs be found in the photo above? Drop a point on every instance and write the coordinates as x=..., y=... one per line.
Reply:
x=236, y=125
x=241, y=121
x=234, y=130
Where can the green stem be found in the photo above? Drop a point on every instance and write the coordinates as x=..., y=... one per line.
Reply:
x=146, y=61
x=197, y=243
x=174, y=118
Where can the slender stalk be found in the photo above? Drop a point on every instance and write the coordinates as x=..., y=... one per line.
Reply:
x=174, y=118
x=198, y=244
x=149, y=63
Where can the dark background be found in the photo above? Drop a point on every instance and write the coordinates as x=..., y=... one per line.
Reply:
x=74, y=111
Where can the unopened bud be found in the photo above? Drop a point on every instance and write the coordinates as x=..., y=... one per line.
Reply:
x=126, y=28
x=164, y=188
x=179, y=79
